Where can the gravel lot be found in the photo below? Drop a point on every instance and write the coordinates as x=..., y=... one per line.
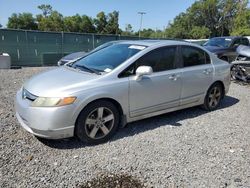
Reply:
x=188, y=148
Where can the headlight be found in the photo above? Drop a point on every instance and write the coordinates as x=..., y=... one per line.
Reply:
x=53, y=101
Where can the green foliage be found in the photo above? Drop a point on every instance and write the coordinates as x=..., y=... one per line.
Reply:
x=87, y=25
x=46, y=9
x=22, y=21
x=242, y=23
x=128, y=30
x=53, y=22
x=71, y=23
x=79, y=23
x=208, y=18
x=100, y=22
x=1, y=26
x=112, y=26
x=203, y=19
x=198, y=32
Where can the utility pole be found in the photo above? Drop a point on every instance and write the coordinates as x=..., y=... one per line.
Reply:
x=141, y=13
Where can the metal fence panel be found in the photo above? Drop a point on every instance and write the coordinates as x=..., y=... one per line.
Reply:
x=37, y=48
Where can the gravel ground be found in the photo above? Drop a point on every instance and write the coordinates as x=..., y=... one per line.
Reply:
x=188, y=148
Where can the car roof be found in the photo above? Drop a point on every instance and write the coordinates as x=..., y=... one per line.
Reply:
x=154, y=42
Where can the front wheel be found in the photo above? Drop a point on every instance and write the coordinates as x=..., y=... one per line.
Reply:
x=98, y=122
x=213, y=97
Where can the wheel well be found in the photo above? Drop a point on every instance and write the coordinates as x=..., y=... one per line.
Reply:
x=117, y=105
x=222, y=85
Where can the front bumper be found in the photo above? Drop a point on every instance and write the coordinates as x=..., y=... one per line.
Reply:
x=45, y=122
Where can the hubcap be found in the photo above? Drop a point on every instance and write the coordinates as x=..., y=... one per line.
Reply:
x=99, y=122
x=214, y=97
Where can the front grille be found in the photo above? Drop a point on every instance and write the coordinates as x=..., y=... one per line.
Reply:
x=28, y=95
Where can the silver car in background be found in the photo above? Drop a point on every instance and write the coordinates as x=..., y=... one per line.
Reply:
x=124, y=82
x=78, y=55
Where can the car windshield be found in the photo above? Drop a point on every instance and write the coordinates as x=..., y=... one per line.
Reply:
x=219, y=42
x=106, y=59
x=102, y=46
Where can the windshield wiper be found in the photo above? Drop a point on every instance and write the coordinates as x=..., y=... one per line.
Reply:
x=87, y=68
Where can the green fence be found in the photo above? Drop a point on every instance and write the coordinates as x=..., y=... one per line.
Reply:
x=36, y=48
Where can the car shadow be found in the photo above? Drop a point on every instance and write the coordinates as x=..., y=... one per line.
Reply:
x=134, y=128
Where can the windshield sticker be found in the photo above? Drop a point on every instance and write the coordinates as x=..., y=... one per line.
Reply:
x=137, y=47
x=107, y=70
x=228, y=39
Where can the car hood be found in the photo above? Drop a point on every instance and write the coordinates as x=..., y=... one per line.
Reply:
x=214, y=49
x=73, y=56
x=59, y=82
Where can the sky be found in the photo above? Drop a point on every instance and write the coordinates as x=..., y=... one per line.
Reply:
x=158, y=12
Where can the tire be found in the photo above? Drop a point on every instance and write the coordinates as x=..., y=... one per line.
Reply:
x=97, y=122
x=213, y=97
x=234, y=72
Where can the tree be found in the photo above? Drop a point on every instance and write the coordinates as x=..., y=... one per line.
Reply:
x=22, y=21
x=198, y=32
x=87, y=25
x=146, y=33
x=112, y=26
x=1, y=26
x=54, y=22
x=46, y=9
x=128, y=30
x=212, y=16
x=179, y=28
x=241, y=24
x=100, y=22
x=72, y=23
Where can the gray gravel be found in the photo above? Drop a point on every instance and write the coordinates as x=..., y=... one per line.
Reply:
x=188, y=148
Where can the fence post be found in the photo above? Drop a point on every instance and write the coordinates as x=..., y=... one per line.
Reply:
x=62, y=47
x=93, y=38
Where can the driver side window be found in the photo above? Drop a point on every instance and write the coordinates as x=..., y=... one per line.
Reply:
x=160, y=59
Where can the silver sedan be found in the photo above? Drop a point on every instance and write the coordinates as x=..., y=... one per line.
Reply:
x=125, y=82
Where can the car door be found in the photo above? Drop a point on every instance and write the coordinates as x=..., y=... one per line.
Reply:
x=161, y=89
x=197, y=74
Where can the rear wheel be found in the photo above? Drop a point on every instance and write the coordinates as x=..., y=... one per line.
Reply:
x=213, y=97
x=98, y=122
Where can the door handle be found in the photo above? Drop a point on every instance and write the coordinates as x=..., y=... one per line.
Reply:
x=207, y=71
x=173, y=77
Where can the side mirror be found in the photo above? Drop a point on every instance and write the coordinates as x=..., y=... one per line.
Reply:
x=143, y=70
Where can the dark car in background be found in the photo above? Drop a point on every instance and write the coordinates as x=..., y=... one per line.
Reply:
x=77, y=55
x=225, y=47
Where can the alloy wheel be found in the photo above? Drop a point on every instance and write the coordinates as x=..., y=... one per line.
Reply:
x=99, y=122
x=214, y=97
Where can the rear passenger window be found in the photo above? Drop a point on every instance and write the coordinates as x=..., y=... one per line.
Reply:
x=194, y=56
x=161, y=59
